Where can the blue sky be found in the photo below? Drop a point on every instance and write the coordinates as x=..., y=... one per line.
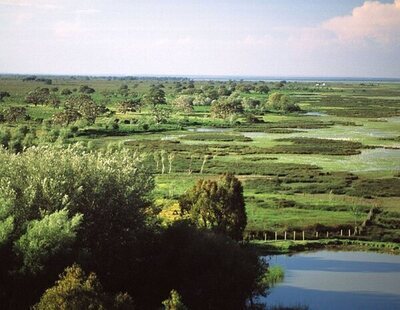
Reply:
x=204, y=37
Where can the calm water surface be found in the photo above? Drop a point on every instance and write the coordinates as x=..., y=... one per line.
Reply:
x=337, y=280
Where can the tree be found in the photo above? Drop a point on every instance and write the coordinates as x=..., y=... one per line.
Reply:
x=210, y=271
x=130, y=105
x=85, y=89
x=226, y=107
x=53, y=100
x=184, y=103
x=38, y=96
x=13, y=114
x=66, y=117
x=76, y=291
x=111, y=191
x=66, y=92
x=251, y=103
x=174, y=302
x=4, y=94
x=46, y=237
x=155, y=96
x=263, y=89
x=84, y=105
x=160, y=114
x=217, y=205
x=281, y=102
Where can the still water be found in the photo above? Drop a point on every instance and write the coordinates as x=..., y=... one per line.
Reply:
x=337, y=280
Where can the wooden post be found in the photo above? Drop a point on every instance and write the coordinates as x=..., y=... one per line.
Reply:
x=265, y=236
x=276, y=236
x=285, y=235
x=327, y=234
x=349, y=232
x=316, y=234
x=294, y=235
x=303, y=236
x=341, y=233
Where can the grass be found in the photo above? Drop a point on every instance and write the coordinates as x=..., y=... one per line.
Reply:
x=285, y=247
x=274, y=275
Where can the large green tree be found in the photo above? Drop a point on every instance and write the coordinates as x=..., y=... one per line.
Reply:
x=217, y=205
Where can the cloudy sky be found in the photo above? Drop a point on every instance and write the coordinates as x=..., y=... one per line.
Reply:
x=346, y=38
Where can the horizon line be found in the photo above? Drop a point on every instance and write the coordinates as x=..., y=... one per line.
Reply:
x=214, y=76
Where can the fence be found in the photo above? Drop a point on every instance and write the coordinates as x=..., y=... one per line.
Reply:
x=300, y=235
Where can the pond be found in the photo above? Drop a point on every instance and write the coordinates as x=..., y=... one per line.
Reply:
x=312, y=113
x=337, y=280
x=209, y=129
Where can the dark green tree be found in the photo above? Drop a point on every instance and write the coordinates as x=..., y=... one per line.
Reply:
x=38, y=96
x=76, y=291
x=155, y=96
x=217, y=205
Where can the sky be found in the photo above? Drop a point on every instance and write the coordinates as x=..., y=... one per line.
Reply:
x=310, y=38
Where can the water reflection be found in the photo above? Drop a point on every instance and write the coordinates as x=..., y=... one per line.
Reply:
x=338, y=280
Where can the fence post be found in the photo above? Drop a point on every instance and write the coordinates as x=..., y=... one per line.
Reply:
x=276, y=236
x=265, y=236
x=341, y=233
x=327, y=234
x=316, y=234
x=303, y=236
x=294, y=235
x=285, y=235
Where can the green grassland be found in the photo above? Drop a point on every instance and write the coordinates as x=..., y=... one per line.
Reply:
x=322, y=168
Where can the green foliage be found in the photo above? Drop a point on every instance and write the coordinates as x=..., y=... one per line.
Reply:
x=46, y=237
x=80, y=106
x=174, y=302
x=226, y=107
x=160, y=114
x=85, y=89
x=217, y=205
x=184, y=103
x=14, y=114
x=130, y=105
x=38, y=96
x=6, y=228
x=155, y=96
x=76, y=291
x=209, y=270
x=274, y=275
x=281, y=102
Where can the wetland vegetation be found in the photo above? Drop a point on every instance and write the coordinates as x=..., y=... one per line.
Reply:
x=137, y=163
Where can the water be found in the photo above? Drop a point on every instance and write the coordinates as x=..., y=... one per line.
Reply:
x=209, y=129
x=338, y=280
x=315, y=114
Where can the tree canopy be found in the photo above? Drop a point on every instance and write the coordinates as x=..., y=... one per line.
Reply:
x=217, y=205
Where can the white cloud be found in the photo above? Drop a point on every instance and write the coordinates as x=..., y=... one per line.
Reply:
x=43, y=4
x=87, y=11
x=65, y=30
x=372, y=21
